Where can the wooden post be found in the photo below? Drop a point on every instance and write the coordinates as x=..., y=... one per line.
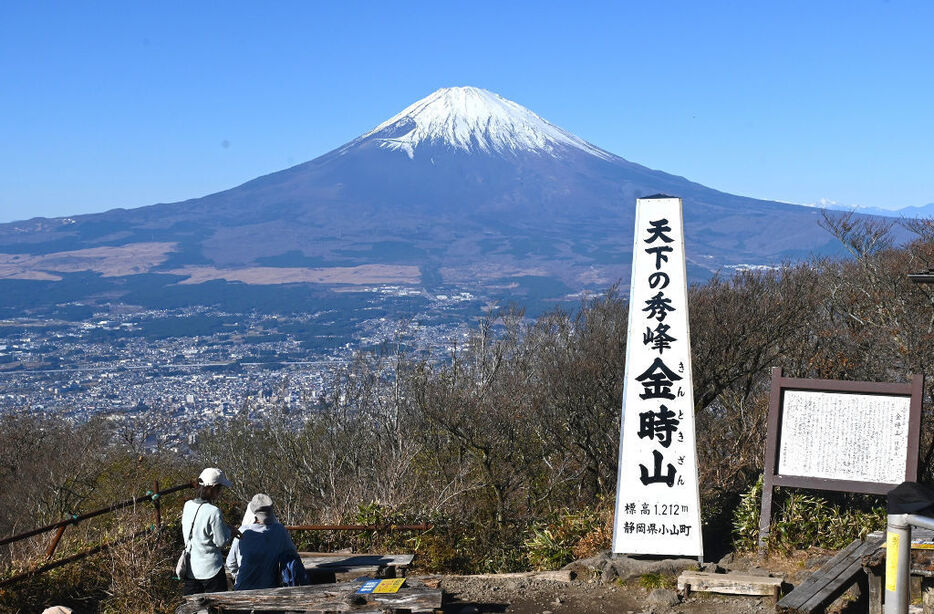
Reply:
x=771, y=455
x=156, y=504
x=875, y=591
x=927, y=595
x=55, y=540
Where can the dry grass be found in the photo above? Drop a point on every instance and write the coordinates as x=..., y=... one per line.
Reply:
x=598, y=540
x=108, y=261
x=140, y=571
x=357, y=275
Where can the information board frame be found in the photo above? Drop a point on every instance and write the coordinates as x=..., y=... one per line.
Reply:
x=780, y=384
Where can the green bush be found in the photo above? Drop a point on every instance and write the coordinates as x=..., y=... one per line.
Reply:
x=655, y=580
x=804, y=520
x=746, y=518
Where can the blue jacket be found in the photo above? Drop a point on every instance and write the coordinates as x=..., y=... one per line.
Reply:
x=254, y=558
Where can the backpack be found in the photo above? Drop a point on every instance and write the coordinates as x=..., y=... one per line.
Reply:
x=291, y=570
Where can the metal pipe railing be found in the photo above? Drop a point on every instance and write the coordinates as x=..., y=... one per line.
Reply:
x=898, y=559
x=60, y=526
x=360, y=527
x=76, y=518
x=71, y=559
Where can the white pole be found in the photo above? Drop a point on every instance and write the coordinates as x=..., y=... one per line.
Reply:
x=897, y=564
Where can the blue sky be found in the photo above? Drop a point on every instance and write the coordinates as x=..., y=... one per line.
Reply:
x=107, y=105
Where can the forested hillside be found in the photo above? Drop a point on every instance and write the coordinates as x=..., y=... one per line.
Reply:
x=508, y=446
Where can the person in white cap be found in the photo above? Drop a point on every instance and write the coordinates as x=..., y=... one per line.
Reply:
x=254, y=558
x=205, y=534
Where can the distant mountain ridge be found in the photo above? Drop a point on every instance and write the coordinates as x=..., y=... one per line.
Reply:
x=462, y=189
x=907, y=212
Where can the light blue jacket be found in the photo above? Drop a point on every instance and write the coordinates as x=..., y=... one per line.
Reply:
x=210, y=534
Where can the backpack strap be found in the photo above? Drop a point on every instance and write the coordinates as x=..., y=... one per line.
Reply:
x=191, y=531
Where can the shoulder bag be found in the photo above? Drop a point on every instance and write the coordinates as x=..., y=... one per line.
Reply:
x=183, y=566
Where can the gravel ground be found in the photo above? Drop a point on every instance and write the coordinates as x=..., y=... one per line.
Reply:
x=528, y=596
x=605, y=584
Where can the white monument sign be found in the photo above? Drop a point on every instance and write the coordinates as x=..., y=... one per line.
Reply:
x=657, y=499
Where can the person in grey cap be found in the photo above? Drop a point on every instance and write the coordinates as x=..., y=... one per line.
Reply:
x=253, y=560
x=205, y=534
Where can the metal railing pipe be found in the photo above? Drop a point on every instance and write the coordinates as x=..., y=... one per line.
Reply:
x=71, y=559
x=359, y=527
x=76, y=518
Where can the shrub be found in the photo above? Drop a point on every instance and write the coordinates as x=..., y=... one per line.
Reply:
x=803, y=520
x=655, y=580
x=556, y=543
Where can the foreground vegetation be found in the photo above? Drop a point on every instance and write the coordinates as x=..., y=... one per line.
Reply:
x=509, y=447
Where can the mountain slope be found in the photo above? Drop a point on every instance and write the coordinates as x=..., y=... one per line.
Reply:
x=462, y=189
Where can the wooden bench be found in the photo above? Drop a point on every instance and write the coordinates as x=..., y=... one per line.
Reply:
x=317, y=599
x=333, y=566
x=729, y=583
x=833, y=579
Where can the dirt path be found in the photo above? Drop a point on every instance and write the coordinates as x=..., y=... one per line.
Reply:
x=530, y=596
x=604, y=584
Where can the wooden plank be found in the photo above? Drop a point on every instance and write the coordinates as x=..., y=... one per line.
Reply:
x=832, y=579
x=343, y=559
x=796, y=598
x=314, y=599
x=841, y=577
x=729, y=583
x=834, y=588
x=335, y=567
x=561, y=575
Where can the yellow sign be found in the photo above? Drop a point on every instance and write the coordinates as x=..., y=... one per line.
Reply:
x=891, y=562
x=389, y=586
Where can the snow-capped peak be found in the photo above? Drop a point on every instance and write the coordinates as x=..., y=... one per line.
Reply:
x=474, y=119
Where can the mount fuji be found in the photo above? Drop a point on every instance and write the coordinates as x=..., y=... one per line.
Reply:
x=461, y=190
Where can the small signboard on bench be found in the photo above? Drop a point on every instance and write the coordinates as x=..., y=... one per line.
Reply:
x=837, y=435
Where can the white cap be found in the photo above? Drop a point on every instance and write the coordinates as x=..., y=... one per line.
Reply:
x=57, y=609
x=212, y=476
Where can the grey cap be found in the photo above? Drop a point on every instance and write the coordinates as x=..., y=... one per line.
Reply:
x=261, y=507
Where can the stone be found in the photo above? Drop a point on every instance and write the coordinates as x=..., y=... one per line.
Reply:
x=663, y=597
x=562, y=575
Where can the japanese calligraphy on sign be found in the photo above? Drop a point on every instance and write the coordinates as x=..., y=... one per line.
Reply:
x=657, y=502
x=824, y=436
x=845, y=436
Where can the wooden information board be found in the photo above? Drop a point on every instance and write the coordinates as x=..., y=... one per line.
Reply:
x=837, y=435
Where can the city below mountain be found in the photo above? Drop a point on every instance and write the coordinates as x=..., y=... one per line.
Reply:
x=244, y=300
